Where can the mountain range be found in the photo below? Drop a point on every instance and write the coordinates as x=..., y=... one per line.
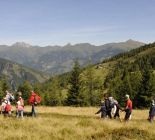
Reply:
x=59, y=59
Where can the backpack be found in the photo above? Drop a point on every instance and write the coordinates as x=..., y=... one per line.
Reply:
x=37, y=99
x=8, y=107
x=31, y=99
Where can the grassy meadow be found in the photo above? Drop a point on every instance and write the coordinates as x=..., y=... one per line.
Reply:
x=70, y=123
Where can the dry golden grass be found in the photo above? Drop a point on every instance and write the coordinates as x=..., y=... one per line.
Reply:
x=71, y=123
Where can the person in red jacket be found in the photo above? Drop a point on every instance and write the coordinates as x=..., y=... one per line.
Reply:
x=128, y=108
x=32, y=101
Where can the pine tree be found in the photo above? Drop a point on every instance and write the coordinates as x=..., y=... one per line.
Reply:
x=5, y=85
x=26, y=89
x=135, y=80
x=147, y=89
x=87, y=87
x=74, y=90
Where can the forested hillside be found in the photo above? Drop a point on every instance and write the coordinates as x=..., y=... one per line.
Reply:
x=127, y=73
x=13, y=74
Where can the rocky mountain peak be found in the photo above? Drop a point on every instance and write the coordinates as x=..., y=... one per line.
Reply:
x=21, y=44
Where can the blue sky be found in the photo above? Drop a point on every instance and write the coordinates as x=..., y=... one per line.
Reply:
x=50, y=22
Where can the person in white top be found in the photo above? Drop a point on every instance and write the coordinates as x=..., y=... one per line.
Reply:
x=20, y=106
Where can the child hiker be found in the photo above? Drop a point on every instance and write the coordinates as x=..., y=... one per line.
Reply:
x=20, y=106
x=102, y=110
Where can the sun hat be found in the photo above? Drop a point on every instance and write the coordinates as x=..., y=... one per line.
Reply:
x=127, y=96
x=20, y=93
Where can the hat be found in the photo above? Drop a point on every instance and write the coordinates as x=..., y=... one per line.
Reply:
x=7, y=92
x=110, y=98
x=20, y=93
x=127, y=96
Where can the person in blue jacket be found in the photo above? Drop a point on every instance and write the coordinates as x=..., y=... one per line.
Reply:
x=152, y=111
x=102, y=110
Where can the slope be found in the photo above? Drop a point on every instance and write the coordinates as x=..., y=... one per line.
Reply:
x=16, y=74
x=126, y=73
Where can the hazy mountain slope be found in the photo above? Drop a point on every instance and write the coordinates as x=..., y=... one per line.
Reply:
x=15, y=73
x=57, y=59
x=113, y=49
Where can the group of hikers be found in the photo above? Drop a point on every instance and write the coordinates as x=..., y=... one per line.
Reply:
x=110, y=108
x=6, y=107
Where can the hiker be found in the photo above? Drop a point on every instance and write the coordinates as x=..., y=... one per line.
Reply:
x=152, y=111
x=128, y=109
x=112, y=105
x=6, y=107
x=20, y=106
x=102, y=110
x=108, y=107
x=34, y=100
x=9, y=96
x=118, y=108
x=115, y=107
x=3, y=105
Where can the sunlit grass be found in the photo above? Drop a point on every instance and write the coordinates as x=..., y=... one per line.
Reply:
x=70, y=123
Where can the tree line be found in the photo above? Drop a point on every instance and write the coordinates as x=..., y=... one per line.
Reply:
x=134, y=78
x=82, y=87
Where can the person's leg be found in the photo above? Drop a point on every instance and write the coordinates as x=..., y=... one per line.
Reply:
x=103, y=115
x=127, y=115
x=117, y=113
x=33, y=111
x=130, y=116
x=9, y=113
x=5, y=113
x=151, y=118
x=109, y=114
x=17, y=114
x=21, y=113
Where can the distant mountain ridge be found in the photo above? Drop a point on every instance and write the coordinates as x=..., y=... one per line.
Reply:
x=58, y=59
x=21, y=44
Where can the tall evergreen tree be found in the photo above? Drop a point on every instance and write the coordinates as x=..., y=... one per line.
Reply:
x=74, y=90
x=26, y=90
x=135, y=80
x=91, y=86
x=147, y=88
